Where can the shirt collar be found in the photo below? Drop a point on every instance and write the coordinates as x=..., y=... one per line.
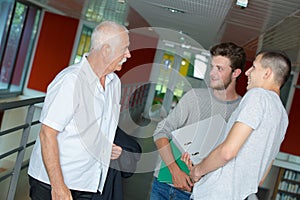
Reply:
x=90, y=74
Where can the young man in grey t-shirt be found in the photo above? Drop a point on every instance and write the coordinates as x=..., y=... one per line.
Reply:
x=254, y=133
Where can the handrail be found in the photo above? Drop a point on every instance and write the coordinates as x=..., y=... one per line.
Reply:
x=14, y=173
x=30, y=102
x=20, y=103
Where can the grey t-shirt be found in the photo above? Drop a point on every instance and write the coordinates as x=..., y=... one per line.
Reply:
x=195, y=105
x=262, y=110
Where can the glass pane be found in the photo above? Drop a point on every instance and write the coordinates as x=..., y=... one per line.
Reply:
x=184, y=66
x=84, y=43
x=5, y=15
x=25, y=50
x=12, y=46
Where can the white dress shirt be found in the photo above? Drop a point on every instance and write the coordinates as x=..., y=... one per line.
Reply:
x=86, y=117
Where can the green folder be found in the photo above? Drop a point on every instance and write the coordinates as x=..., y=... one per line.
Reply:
x=164, y=174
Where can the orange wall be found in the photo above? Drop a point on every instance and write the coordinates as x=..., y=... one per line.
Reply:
x=142, y=48
x=292, y=138
x=137, y=69
x=53, y=50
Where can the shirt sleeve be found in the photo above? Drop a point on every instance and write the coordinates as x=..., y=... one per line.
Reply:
x=59, y=105
x=252, y=108
x=177, y=118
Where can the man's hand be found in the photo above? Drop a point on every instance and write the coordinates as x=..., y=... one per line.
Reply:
x=181, y=180
x=61, y=193
x=116, y=152
x=194, y=173
x=50, y=153
x=186, y=158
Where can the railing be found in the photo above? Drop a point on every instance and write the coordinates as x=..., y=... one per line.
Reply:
x=134, y=95
x=133, y=98
x=20, y=150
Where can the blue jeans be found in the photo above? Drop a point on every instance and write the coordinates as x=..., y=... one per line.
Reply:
x=164, y=191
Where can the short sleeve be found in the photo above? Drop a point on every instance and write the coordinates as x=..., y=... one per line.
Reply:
x=252, y=107
x=59, y=105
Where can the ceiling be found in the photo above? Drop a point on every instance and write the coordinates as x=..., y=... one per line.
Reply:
x=277, y=22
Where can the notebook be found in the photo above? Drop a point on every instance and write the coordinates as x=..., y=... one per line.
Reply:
x=164, y=174
x=198, y=139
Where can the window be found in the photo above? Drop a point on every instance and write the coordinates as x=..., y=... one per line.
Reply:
x=84, y=43
x=98, y=11
x=18, y=27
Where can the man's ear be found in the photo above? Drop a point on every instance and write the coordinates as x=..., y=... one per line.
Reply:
x=106, y=50
x=236, y=73
x=268, y=72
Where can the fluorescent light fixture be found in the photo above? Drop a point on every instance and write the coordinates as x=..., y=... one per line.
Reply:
x=242, y=3
x=199, y=69
x=174, y=10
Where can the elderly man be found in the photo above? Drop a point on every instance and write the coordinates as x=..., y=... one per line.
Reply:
x=71, y=157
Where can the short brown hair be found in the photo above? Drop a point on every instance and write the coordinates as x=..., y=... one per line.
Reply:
x=233, y=52
x=280, y=64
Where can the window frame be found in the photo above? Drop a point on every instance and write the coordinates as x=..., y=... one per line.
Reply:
x=23, y=49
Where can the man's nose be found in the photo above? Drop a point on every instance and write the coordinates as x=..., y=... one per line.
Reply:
x=248, y=71
x=128, y=55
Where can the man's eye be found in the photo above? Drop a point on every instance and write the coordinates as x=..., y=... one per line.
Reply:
x=219, y=68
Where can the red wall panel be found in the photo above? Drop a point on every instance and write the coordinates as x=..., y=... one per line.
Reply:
x=242, y=80
x=292, y=138
x=137, y=69
x=53, y=51
x=135, y=19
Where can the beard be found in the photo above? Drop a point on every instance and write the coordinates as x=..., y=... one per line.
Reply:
x=221, y=85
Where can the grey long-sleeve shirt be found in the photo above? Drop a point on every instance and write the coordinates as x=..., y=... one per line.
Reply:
x=196, y=105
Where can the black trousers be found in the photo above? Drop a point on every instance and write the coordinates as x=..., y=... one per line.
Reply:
x=42, y=191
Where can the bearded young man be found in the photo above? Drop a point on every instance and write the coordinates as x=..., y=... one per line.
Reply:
x=227, y=62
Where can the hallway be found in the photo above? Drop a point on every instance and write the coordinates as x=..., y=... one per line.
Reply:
x=138, y=186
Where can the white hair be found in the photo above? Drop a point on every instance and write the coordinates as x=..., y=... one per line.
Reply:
x=107, y=32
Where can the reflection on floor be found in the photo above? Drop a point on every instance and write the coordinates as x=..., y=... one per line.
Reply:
x=138, y=186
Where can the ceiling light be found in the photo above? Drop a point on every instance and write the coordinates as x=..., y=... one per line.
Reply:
x=173, y=10
x=185, y=46
x=242, y=3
